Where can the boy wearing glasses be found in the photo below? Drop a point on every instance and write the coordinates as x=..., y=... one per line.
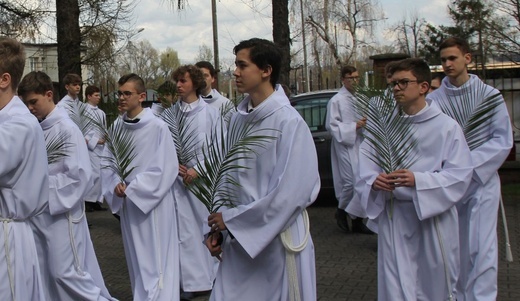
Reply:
x=145, y=201
x=346, y=127
x=418, y=249
x=478, y=210
x=23, y=165
x=67, y=258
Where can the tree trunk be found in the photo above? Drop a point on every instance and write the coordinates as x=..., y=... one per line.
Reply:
x=281, y=36
x=69, y=39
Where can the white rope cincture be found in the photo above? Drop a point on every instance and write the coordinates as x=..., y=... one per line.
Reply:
x=509, y=254
x=158, y=249
x=444, y=259
x=72, y=221
x=290, y=259
x=5, y=222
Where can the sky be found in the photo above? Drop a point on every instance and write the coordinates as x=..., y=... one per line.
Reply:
x=238, y=20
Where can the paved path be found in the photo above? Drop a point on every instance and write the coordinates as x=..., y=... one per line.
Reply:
x=346, y=263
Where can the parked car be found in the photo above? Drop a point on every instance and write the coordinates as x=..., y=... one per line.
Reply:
x=312, y=107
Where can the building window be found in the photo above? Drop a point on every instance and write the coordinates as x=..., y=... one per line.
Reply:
x=36, y=63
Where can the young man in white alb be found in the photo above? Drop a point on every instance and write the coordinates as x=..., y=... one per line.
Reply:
x=202, y=120
x=212, y=96
x=415, y=207
x=145, y=201
x=345, y=127
x=23, y=182
x=267, y=250
x=67, y=258
x=478, y=211
x=95, y=143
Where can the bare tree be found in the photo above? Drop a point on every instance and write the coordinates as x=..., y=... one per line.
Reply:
x=205, y=54
x=505, y=29
x=353, y=19
x=142, y=59
x=408, y=33
x=20, y=18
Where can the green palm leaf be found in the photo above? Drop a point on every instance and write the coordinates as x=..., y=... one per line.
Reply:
x=388, y=134
x=57, y=147
x=183, y=135
x=474, y=117
x=120, y=143
x=215, y=186
x=85, y=119
x=225, y=111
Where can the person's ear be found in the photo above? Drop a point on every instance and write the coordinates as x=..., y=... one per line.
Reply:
x=142, y=96
x=424, y=87
x=49, y=94
x=467, y=58
x=5, y=80
x=266, y=72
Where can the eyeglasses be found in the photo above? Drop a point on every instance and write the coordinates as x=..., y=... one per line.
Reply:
x=126, y=93
x=402, y=83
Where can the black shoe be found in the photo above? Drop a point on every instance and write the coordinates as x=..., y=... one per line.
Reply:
x=359, y=227
x=187, y=296
x=89, y=207
x=97, y=207
x=341, y=220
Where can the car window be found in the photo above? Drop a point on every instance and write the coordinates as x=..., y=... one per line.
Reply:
x=313, y=112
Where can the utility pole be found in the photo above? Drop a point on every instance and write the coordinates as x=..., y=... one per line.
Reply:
x=215, y=41
x=305, y=73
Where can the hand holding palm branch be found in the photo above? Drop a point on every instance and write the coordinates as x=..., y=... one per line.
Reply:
x=215, y=186
x=389, y=136
x=120, y=143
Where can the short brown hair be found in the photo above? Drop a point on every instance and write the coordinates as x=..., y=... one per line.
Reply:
x=12, y=60
x=455, y=42
x=35, y=82
x=347, y=70
x=91, y=90
x=196, y=76
x=418, y=67
x=71, y=79
x=134, y=78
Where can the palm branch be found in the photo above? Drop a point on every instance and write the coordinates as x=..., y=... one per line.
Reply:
x=215, y=186
x=56, y=146
x=184, y=136
x=225, y=111
x=120, y=143
x=83, y=117
x=473, y=116
x=390, y=136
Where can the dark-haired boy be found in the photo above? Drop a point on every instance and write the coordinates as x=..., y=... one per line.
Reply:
x=72, y=83
x=67, y=258
x=145, y=201
x=167, y=95
x=95, y=144
x=478, y=211
x=23, y=182
x=260, y=258
x=345, y=127
x=212, y=96
x=418, y=249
